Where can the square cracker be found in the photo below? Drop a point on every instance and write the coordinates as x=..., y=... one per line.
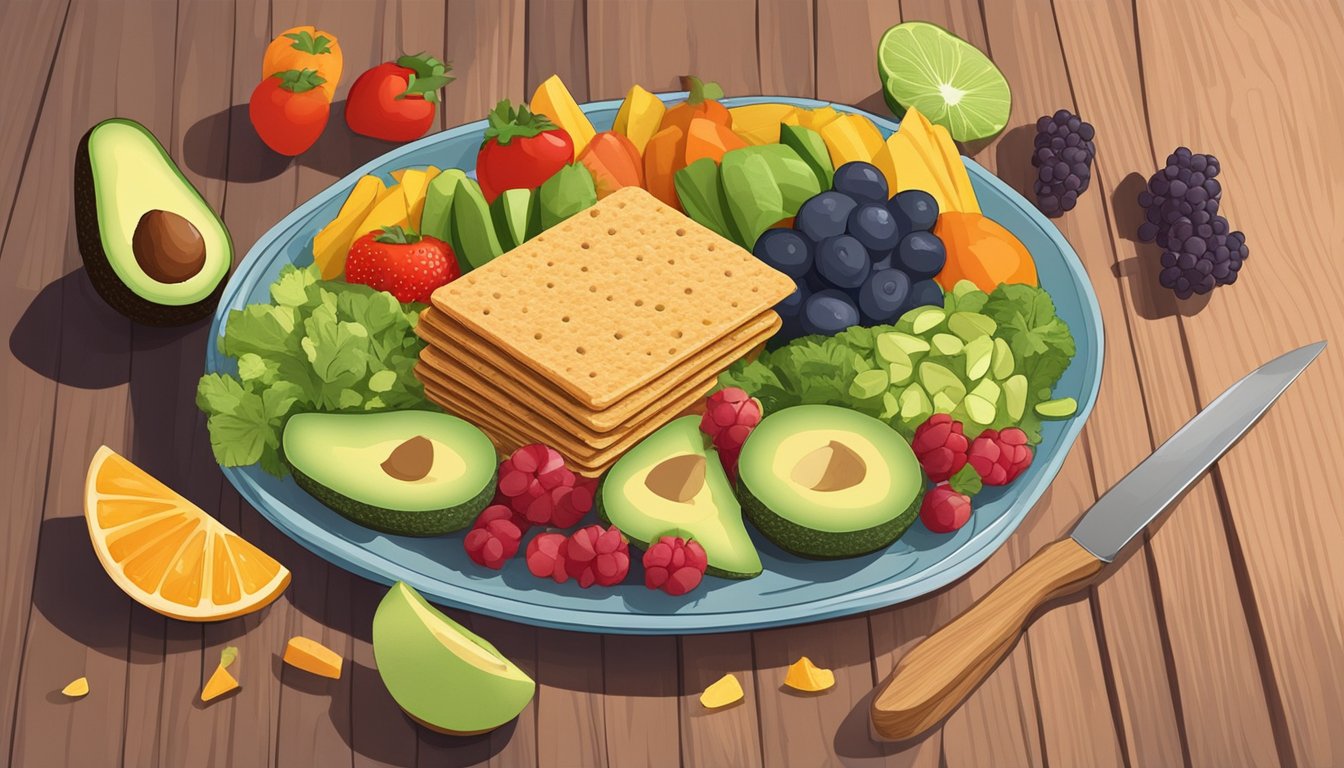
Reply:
x=486, y=371
x=611, y=298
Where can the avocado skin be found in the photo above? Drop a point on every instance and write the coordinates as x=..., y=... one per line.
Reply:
x=709, y=569
x=820, y=545
x=109, y=286
x=434, y=522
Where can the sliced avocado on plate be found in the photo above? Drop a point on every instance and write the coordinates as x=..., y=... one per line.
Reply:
x=827, y=482
x=410, y=473
x=672, y=484
x=153, y=248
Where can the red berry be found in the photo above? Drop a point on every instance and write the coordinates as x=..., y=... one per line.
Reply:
x=597, y=555
x=944, y=510
x=493, y=543
x=674, y=565
x=500, y=511
x=546, y=557
x=535, y=483
x=940, y=446
x=730, y=415
x=999, y=457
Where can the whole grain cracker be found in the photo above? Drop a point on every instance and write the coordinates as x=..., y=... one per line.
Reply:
x=609, y=299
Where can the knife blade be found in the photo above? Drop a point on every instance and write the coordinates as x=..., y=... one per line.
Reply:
x=938, y=673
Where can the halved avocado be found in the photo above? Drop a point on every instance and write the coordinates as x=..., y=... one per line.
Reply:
x=152, y=247
x=826, y=482
x=672, y=484
x=411, y=473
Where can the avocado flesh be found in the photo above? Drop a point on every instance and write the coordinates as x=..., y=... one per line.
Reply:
x=122, y=173
x=338, y=458
x=826, y=482
x=440, y=673
x=711, y=514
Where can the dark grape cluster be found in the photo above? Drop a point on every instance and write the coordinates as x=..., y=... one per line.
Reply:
x=1063, y=158
x=1185, y=188
x=1199, y=257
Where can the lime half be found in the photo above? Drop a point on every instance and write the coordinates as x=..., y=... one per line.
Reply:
x=946, y=78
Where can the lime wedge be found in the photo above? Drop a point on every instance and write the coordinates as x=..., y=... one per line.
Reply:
x=946, y=78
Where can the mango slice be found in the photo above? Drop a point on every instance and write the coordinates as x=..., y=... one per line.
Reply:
x=221, y=682
x=553, y=100
x=639, y=117
x=312, y=656
x=414, y=184
x=805, y=676
x=333, y=242
x=390, y=211
x=77, y=688
x=905, y=168
x=851, y=137
x=722, y=692
x=816, y=118
x=920, y=131
x=956, y=169
x=759, y=123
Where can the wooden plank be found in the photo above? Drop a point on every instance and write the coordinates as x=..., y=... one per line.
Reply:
x=785, y=36
x=557, y=44
x=655, y=44
x=846, y=58
x=728, y=736
x=1287, y=565
x=571, y=729
x=486, y=43
x=641, y=682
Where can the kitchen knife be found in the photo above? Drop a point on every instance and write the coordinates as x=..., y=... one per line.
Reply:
x=941, y=671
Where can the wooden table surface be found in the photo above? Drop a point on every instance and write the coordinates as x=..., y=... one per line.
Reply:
x=1219, y=643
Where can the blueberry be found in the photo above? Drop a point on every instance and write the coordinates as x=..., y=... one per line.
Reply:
x=843, y=261
x=924, y=293
x=792, y=304
x=828, y=312
x=921, y=255
x=861, y=181
x=874, y=226
x=883, y=296
x=881, y=261
x=914, y=209
x=824, y=215
x=785, y=250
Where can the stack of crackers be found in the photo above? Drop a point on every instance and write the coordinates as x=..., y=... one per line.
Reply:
x=598, y=331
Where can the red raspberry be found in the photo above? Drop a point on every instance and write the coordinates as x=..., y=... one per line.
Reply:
x=940, y=446
x=674, y=565
x=597, y=555
x=730, y=415
x=999, y=457
x=535, y=483
x=493, y=543
x=561, y=507
x=944, y=510
x=546, y=557
x=499, y=510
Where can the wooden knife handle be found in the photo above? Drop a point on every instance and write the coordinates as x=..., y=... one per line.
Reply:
x=941, y=671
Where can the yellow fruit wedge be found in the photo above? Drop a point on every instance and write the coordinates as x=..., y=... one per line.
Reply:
x=722, y=692
x=167, y=553
x=414, y=184
x=222, y=681
x=851, y=137
x=920, y=132
x=77, y=688
x=312, y=656
x=553, y=100
x=389, y=212
x=805, y=676
x=956, y=169
x=905, y=169
x=332, y=244
x=640, y=116
x=816, y=118
x=759, y=123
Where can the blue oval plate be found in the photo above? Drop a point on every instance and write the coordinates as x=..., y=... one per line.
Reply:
x=792, y=590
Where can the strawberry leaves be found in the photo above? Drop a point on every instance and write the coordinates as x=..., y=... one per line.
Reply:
x=507, y=123
x=428, y=77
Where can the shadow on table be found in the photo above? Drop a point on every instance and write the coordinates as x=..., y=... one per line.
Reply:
x=226, y=146
x=69, y=335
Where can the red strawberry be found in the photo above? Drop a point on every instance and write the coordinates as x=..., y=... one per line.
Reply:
x=940, y=446
x=405, y=264
x=944, y=510
x=674, y=565
x=597, y=555
x=999, y=457
x=546, y=557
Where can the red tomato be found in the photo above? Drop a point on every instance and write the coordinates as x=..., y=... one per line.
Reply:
x=395, y=101
x=289, y=110
x=521, y=150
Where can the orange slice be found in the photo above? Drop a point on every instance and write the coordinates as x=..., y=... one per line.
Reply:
x=167, y=553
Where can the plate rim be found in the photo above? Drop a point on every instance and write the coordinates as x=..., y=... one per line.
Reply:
x=357, y=559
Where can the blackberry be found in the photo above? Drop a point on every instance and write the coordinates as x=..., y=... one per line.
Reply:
x=1063, y=158
x=1201, y=257
x=1185, y=188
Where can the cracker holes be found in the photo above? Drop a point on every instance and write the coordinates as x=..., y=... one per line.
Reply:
x=537, y=336
x=550, y=284
x=681, y=232
x=639, y=302
x=658, y=307
x=618, y=335
x=585, y=245
x=592, y=374
x=611, y=230
x=584, y=268
x=709, y=247
x=565, y=319
x=727, y=273
x=677, y=334
x=593, y=212
x=580, y=350
x=688, y=291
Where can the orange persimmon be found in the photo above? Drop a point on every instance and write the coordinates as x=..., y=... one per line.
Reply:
x=701, y=101
x=707, y=138
x=662, y=160
x=979, y=249
x=305, y=47
x=614, y=162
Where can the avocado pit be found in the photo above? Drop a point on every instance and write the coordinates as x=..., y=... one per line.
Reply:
x=832, y=467
x=411, y=460
x=168, y=247
x=679, y=478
